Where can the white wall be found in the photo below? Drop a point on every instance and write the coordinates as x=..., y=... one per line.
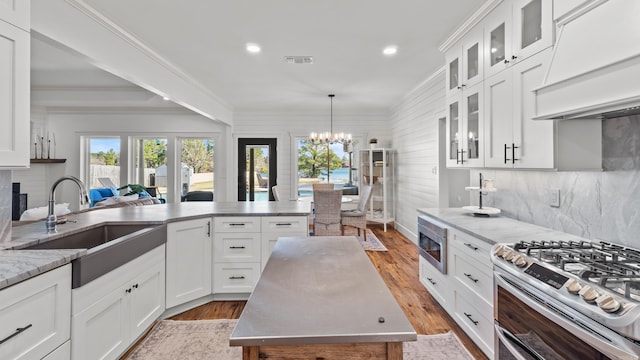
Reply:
x=421, y=177
x=285, y=126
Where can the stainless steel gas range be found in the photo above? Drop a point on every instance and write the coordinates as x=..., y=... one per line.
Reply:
x=566, y=300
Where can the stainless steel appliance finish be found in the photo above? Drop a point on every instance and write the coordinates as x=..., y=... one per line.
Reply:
x=432, y=242
x=312, y=291
x=566, y=299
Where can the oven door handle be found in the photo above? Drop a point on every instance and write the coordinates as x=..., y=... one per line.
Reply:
x=612, y=348
x=509, y=340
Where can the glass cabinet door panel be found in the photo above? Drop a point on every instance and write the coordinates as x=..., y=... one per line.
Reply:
x=453, y=74
x=497, y=44
x=531, y=30
x=454, y=121
x=473, y=54
x=473, y=126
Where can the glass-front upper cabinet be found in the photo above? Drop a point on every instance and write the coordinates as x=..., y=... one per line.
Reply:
x=465, y=128
x=464, y=63
x=516, y=30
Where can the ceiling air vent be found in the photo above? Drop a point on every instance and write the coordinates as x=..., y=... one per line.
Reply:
x=298, y=59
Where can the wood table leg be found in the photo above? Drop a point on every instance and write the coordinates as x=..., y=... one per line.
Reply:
x=250, y=352
x=394, y=351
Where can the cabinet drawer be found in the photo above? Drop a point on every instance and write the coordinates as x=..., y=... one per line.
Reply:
x=476, y=276
x=435, y=282
x=476, y=319
x=40, y=308
x=471, y=246
x=235, y=277
x=235, y=247
x=61, y=353
x=285, y=224
x=237, y=224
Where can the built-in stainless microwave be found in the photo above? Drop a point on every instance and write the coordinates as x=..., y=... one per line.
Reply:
x=432, y=242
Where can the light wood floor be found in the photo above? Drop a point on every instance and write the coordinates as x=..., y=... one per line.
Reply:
x=399, y=269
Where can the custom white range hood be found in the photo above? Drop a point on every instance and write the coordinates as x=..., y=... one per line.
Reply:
x=595, y=69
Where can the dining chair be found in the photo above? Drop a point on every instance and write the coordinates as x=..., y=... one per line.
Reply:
x=326, y=220
x=358, y=217
x=323, y=186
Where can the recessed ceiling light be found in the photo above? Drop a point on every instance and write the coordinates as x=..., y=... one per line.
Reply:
x=390, y=50
x=253, y=48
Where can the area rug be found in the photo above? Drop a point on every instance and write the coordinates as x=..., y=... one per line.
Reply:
x=209, y=339
x=372, y=243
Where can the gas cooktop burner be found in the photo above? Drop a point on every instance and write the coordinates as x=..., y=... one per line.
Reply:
x=612, y=266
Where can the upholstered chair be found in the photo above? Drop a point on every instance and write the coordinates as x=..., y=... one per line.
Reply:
x=358, y=217
x=326, y=219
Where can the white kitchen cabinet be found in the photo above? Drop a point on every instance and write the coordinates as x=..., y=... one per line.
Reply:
x=378, y=171
x=112, y=311
x=464, y=127
x=34, y=315
x=515, y=30
x=14, y=91
x=63, y=352
x=274, y=227
x=471, y=272
x=513, y=138
x=237, y=248
x=189, y=259
x=17, y=13
x=436, y=282
x=465, y=63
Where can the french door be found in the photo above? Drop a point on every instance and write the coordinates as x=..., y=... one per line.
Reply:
x=257, y=168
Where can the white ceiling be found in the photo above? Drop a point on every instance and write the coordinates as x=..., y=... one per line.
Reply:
x=207, y=38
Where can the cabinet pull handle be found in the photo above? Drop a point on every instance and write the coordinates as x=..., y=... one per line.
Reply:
x=135, y=286
x=431, y=281
x=513, y=57
x=505, y=153
x=457, y=156
x=283, y=224
x=236, y=277
x=471, y=277
x=462, y=156
x=471, y=246
x=128, y=291
x=208, y=228
x=237, y=247
x=475, y=322
x=513, y=153
x=15, y=333
x=236, y=224
x=506, y=61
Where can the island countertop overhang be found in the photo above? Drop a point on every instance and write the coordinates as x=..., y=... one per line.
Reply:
x=320, y=290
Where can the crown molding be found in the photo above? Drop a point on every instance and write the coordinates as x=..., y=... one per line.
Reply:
x=472, y=21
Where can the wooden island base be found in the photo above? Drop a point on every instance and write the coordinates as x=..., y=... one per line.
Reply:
x=352, y=351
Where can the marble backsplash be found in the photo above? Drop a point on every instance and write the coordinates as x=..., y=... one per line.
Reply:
x=5, y=205
x=595, y=205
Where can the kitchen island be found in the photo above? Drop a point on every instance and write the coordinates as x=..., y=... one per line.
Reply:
x=320, y=297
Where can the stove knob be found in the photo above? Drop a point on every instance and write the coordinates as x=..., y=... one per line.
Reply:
x=608, y=303
x=499, y=250
x=520, y=261
x=573, y=286
x=509, y=255
x=588, y=293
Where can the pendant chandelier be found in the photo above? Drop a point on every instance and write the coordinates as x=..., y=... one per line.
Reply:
x=329, y=137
